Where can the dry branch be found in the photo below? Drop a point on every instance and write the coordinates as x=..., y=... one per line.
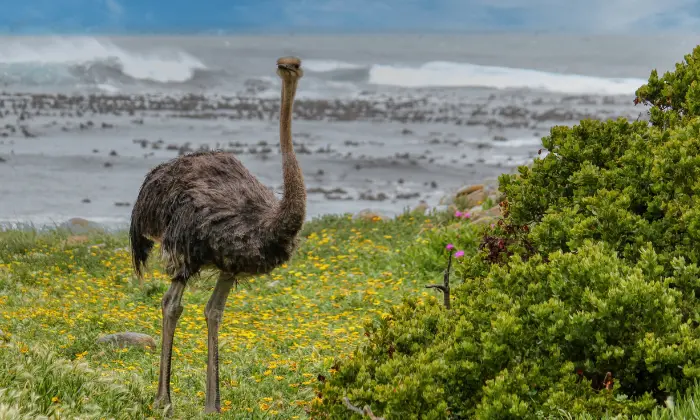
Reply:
x=366, y=411
x=445, y=287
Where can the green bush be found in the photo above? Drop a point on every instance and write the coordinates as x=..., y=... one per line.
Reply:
x=674, y=96
x=594, y=270
x=514, y=340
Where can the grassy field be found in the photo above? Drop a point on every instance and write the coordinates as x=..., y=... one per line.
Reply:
x=59, y=294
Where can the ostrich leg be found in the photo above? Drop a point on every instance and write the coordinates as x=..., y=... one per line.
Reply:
x=172, y=309
x=213, y=313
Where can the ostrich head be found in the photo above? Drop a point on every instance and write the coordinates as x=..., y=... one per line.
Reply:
x=289, y=68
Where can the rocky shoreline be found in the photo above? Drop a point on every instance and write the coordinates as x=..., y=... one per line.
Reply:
x=495, y=111
x=372, y=152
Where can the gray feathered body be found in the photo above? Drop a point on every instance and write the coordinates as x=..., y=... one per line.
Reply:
x=207, y=209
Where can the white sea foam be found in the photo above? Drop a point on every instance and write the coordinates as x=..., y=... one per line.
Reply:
x=322, y=66
x=106, y=87
x=448, y=74
x=158, y=66
x=518, y=142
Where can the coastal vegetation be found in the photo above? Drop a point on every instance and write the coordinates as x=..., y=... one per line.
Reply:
x=582, y=300
x=579, y=301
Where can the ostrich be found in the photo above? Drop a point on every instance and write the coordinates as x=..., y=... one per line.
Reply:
x=207, y=210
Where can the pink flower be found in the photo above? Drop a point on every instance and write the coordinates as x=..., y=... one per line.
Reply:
x=458, y=213
x=459, y=254
x=449, y=246
x=466, y=215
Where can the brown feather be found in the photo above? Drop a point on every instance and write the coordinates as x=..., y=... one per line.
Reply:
x=207, y=209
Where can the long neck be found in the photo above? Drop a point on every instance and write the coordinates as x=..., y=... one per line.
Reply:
x=292, y=208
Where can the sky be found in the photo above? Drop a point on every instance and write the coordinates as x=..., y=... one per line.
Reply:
x=275, y=16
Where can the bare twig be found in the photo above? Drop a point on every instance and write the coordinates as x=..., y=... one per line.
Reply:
x=445, y=287
x=366, y=411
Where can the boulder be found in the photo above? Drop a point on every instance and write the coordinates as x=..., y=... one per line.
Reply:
x=80, y=226
x=493, y=212
x=77, y=239
x=370, y=215
x=469, y=189
x=472, y=199
x=128, y=339
x=484, y=221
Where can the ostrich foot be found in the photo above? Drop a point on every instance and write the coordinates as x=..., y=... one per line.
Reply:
x=209, y=410
x=161, y=403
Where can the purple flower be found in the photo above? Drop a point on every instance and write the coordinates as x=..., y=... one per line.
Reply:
x=459, y=254
x=466, y=215
x=449, y=246
x=458, y=213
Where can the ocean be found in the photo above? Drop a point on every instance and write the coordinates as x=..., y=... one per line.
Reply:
x=382, y=122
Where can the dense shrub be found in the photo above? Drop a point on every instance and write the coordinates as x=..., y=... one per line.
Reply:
x=618, y=182
x=675, y=95
x=593, y=270
x=515, y=339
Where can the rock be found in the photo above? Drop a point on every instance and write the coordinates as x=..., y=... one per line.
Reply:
x=493, y=213
x=128, y=339
x=86, y=200
x=472, y=199
x=77, y=239
x=469, y=189
x=463, y=192
x=370, y=215
x=79, y=225
x=484, y=221
x=476, y=210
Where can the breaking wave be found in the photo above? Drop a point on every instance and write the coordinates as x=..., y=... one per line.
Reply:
x=82, y=62
x=451, y=74
x=87, y=60
x=448, y=74
x=322, y=66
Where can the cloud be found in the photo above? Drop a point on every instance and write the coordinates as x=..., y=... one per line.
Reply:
x=591, y=16
x=116, y=10
x=577, y=16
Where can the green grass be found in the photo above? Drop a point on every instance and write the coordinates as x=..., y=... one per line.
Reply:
x=280, y=332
